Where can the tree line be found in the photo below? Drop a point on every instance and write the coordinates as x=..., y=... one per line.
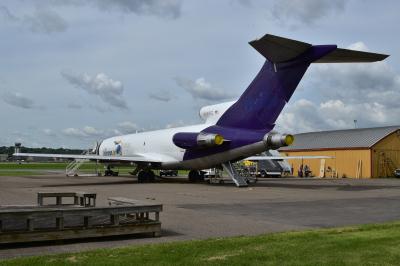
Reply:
x=10, y=150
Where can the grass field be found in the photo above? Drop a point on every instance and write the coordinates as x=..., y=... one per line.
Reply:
x=362, y=245
x=36, y=168
x=40, y=166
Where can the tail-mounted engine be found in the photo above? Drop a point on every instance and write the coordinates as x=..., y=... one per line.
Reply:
x=275, y=140
x=190, y=140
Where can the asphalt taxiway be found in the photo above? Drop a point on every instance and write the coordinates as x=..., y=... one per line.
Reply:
x=199, y=211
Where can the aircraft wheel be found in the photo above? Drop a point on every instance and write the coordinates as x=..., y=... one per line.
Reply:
x=200, y=178
x=264, y=174
x=146, y=176
x=142, y=176
x=151, y=177
x=193, y=176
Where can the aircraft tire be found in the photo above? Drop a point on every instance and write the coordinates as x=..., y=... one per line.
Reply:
x=142, y=177
x=146, y=176
x=200, y=177
x=264, y=174
x=151, y=177
x=193, y=176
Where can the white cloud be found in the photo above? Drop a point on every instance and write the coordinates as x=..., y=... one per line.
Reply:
x=300, y=116
x=161, y=95
x=161, y=8
x=74, y=132
x=201, y=89
x=85, y=132
x=7, y=15
x=306, y=116
x=42, y=20
x=178, y=123
x=49, y=132
x=342, y=93
x=358, y=46
x=307, y=12
x=357, y=83
x=109, y=90
x=18, y=100
x=245, y=3
x=45, y=21
x=74, y=106
x=127, y=127
x=91, y=131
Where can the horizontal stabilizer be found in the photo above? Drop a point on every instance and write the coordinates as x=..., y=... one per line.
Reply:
x=350, y=56
x=278, y=49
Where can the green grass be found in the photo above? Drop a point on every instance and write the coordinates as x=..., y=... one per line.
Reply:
x=41, y=166
x=362, y=245
x=8, y=166
x=37, y=168
x=19, y=173
x=52, y=166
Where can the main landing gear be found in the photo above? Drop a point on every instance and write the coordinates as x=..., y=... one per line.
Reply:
x=146, y=176
x=195, y=176
x=110, y=172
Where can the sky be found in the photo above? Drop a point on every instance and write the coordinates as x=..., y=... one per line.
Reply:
x=73, y=72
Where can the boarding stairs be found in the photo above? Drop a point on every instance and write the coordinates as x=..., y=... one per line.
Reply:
x=236, y=174
x=72, y=168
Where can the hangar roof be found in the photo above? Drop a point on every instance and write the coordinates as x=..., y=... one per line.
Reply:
x=340, y=139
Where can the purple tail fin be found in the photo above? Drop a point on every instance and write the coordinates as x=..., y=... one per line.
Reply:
x=287, y=61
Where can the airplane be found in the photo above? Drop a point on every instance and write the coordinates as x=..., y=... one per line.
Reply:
x=232, y=131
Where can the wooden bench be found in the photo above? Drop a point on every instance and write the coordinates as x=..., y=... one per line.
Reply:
x=69, y=222
x=83, y=199
x=121, y=201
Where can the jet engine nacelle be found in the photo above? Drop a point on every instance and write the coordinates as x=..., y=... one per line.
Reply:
x=190, y=140
x=275, y=140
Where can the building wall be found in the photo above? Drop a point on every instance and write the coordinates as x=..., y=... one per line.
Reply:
x=344, y=163
x=386, y=156
x=3, y=157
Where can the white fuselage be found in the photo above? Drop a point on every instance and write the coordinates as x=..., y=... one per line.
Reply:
x=158, y=146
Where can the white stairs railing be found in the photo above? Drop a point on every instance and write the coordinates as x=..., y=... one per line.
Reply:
x=234, y=173
x=72, y=168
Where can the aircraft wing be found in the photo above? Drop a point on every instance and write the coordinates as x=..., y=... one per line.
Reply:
x=150, y=158
x=260, y=158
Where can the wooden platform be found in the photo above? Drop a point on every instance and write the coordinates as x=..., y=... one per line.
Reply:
x=56, y=222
